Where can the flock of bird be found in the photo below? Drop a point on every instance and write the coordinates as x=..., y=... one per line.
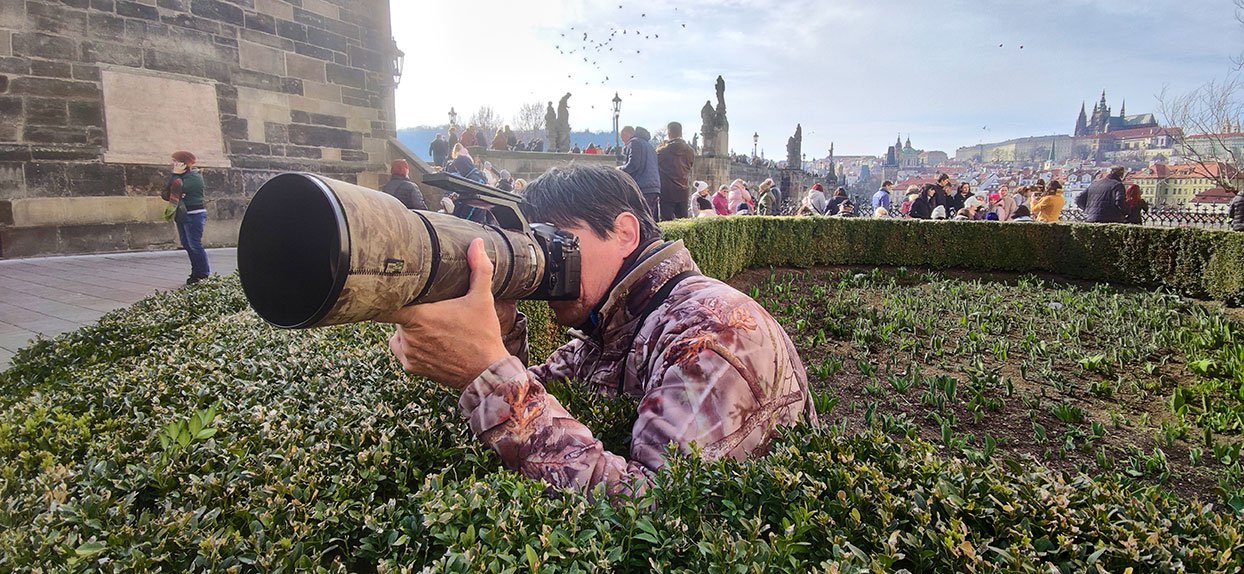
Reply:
x=607, y=51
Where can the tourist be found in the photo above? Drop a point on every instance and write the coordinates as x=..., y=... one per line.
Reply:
x=835, y=203
x=576, y=149
x=815, y=202
x=1021, y=214
x=463, y=165
x=1135, y=206
x=913, y=193
x=721, y=200
x=499, y=141
x=959, y=199
x=1038, y=190
x=1105, y=199
x=739, y=195
x=768, y=201
x=674, y=161
x=1050, y=206
x=703, y=401
x=922, y=207
x=401, y=187
x=846, y=209
x=469, y=137
x=881, y=199
x=641, y=165
x=591, y=150
x=505, y=182
x=965, y=214
x=1235, y=210
x=490, y=177
x=452, y=141
x=881, y=213
x=511, y=140
x=703, y=203
x=1004, y=206
x=520, y=186
x=186, y=192
x=439, y=150
x=944, y=187
x=939, y=213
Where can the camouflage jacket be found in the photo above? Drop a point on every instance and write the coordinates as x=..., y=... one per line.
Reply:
x=709, y=366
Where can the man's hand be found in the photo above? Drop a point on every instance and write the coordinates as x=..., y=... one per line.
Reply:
x=452, y=341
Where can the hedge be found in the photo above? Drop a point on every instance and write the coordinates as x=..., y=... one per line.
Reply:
x=1195, y=262
x=184, y=434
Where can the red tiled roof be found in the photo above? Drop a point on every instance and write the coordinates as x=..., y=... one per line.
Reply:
x=1217, y=196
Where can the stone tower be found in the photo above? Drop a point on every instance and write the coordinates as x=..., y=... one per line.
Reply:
x=95, y=96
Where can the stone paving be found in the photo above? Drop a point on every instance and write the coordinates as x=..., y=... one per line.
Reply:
x=52, y=295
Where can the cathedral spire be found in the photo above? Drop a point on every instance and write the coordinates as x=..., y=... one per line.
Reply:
x=1123, y=109
x=1081, y=123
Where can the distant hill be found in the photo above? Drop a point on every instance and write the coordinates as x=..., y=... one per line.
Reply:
x=419, y=138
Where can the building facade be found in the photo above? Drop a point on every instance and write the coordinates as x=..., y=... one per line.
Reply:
x=95, y=96
x=1179, y=185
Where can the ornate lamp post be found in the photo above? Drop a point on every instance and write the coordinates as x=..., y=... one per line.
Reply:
x=617, y=110
x=398, y=63
x=453, y=118
x=755, y=142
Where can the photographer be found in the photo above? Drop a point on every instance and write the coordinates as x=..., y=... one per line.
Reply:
x=709, y=365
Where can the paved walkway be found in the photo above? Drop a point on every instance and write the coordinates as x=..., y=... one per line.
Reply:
x=52, y=295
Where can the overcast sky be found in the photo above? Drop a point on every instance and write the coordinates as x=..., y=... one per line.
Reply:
x=855, y=72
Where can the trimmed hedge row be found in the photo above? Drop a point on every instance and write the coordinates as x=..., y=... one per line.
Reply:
x=1195, y=262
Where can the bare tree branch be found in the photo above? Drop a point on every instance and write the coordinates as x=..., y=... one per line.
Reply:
x=1205, y=124
x=529, y=121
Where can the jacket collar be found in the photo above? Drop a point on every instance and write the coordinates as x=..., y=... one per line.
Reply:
x=659, y=263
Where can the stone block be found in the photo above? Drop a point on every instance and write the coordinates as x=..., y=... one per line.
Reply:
x=257, y=80
x=319, y=136
x=311, y=19
x=325, y=92
x=352, y=155
x=173, y=62
x=45, y=179
x=151, y=236
x=104, y=5
x=13, y=14
x=275, y=133
x=4, y=84
x=261, y=23
x=103, y=238
x=261, y=58
x=220, y=11
x=277, y=8
x=6, y=43
x=52, y=87
x=85, y=72
x=64, y=153
x=326, y=39
x=54, y=135
x=47, y=112
x=291, y=86
x=249, y=148
x=50, y=211
x=44, y=46
x=221, y=233
x=291, y=30
x=109, y=53
x=86, y=113
x=56, y=20
x=329, y=11
x=307, y=152
x=51, y=69
x=106, y=27
x=305, y=68
x=314, y=51
x=95, y=179
x=266, y=39
x=367, y=59
x=148, y=180
x=174, y=5
x=29, y=242
x=12, y=182
x=345, y=76
x=193, y=22
x=137, y=10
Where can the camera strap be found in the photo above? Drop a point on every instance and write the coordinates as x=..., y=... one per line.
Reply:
x=657, y=299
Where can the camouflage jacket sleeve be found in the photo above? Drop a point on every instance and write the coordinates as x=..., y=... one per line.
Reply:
x=722, y=388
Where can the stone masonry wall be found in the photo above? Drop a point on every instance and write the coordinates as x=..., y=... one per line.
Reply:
x=94, y=97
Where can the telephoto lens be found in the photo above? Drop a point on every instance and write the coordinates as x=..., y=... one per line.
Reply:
x=314, y=251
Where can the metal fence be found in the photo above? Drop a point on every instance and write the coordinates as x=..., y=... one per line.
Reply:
x=1207, y=217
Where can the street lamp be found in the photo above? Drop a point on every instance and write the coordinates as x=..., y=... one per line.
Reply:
x=453, y=118
x=398, y=63
x=803, y=161
x=617, y=110
x=755, y=141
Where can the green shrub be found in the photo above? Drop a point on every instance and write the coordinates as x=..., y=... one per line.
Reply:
x=1194, y=262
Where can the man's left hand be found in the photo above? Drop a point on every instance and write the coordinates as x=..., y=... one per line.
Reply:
x=453, y=341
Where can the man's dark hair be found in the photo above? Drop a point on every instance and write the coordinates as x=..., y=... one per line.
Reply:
x=887, y=183
x=1023, y=211
x=942, y=177
x=587, y=195
x=674, y=129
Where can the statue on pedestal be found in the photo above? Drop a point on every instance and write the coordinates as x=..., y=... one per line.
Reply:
x=550, y=128
x=715, y=128
x=563, y=124
x=794, y=147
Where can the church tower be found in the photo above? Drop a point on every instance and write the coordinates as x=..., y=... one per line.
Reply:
x=1081, y=123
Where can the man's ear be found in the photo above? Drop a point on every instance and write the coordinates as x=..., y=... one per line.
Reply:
x=626, y=230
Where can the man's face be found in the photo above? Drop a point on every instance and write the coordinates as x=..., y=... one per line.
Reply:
x=601, y=259
x=626, y=135
x=946, y=184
